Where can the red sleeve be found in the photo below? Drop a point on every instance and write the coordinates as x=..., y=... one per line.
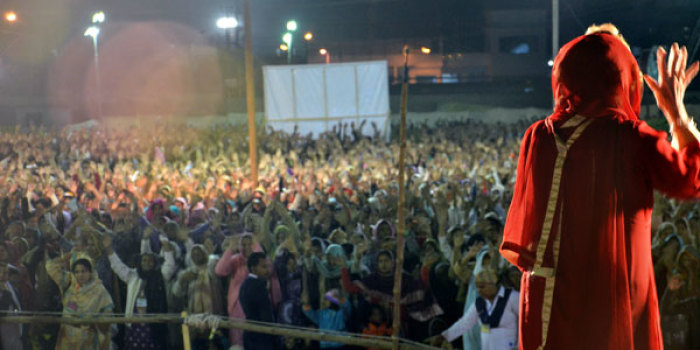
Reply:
x=528, y=203
x=347, y=283
x=675, y=173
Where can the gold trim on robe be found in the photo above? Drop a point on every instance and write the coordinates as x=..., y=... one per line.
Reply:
x=549, y=273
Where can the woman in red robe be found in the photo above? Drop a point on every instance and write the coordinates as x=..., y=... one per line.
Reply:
x=579, y=223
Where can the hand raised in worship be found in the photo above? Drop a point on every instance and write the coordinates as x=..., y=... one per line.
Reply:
x=473, y=250
x=675, y=283
x=669, y=88
x=148, y=231
x=230, y=243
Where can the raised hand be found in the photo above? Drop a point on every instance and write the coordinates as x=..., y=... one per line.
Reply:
x=474, y=250
x=675, y=283
x=674, y=78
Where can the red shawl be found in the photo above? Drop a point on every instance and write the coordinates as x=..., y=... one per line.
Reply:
x=583, y=198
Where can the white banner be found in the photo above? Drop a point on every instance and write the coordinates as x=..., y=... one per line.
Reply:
x=317, y=97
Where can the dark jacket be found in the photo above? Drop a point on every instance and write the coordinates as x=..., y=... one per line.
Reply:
x=255, y=300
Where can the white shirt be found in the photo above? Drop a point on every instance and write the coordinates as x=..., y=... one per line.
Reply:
x=505, y=337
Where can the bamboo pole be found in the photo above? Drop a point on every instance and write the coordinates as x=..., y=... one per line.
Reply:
x=86, y=320
x=245, y=325
x=398, y=270
x=185, y=333
x=250, y=95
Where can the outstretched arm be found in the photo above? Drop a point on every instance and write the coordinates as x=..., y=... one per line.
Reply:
x=669, y=91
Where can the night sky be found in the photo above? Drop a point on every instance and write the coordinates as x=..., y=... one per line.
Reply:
x=48, y=24
x=49, y=33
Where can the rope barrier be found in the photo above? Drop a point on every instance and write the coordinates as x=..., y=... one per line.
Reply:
x=208, y=321
x=204, y=321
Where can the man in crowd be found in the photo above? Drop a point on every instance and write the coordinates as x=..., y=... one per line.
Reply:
x=256, y=303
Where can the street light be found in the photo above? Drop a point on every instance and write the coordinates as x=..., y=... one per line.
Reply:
x=308, y=36
x=94, y=32
x=10, y=16
x=325, y=52
x=425, y=50
x=227, y=22
x=287, y=38
x=98, y=17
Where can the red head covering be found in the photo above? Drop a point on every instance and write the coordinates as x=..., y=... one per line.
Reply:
x=596, y=75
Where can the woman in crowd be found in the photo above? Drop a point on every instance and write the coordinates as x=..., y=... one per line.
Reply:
x=289, y=272
x=233, y=265
x=200, y=286
x=82, y=293
x=146, y=293
x=378, y=288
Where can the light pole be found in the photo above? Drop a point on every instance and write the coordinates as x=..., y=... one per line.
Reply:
x=94, y=31
x=308, y=37
x=325, y=52
x=288, y=38
x=11, y=18
x=227, y=24
x=250, y=94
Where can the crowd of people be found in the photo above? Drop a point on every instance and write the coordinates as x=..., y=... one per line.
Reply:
x=166, y=219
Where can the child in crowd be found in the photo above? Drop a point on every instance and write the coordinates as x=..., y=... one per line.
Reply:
x=377, y=325
x=332, y=316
